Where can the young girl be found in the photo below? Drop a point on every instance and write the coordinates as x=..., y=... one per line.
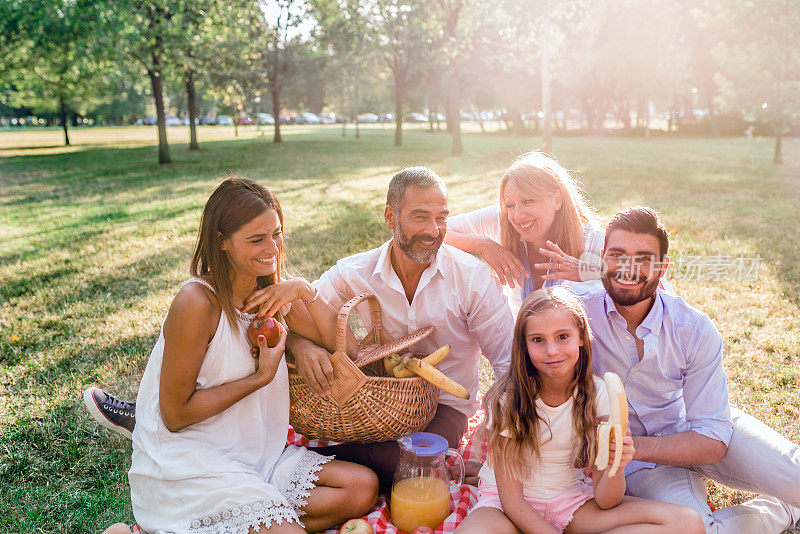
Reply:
x=209, y=447
x=541, y=438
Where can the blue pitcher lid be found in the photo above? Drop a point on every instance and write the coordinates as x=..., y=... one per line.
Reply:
x=428, y=444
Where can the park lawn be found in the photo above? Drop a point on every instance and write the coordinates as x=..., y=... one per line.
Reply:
x=97, y=237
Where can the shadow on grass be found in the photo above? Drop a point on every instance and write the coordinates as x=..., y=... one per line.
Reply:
x=61, y=473
x=343, y=228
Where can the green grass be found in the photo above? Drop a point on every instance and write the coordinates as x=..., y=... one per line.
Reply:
x=97, y=237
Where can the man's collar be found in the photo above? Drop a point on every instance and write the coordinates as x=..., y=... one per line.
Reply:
x=655, y=317
x=384, y=265
x=652, y=320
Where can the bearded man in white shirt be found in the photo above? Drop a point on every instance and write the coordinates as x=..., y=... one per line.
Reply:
x=419, y=281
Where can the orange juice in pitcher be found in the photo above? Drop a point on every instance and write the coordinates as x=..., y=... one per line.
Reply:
x=421, y=489
x=419, y=501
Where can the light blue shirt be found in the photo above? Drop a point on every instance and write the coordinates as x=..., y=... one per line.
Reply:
x=679, y=384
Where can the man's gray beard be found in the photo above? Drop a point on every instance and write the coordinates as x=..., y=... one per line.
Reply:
x=419, y=255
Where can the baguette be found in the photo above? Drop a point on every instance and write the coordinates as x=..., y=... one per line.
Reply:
x=436, y=377
x=395, y=367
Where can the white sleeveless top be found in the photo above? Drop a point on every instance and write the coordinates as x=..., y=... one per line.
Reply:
x=216, y=464
x=553, y=474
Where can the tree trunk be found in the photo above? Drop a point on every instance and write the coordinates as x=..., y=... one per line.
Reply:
x=342, y=110
x=778, y=157
x=161, y=120
x=516, y=126
x=355, y=96
x=276, y=112
x=190, y=97
x=63, y=106
x=547, y=128
x=453, y=116
x=398, y=111
x=477, y=114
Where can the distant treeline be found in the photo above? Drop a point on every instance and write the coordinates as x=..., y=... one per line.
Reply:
x=696, y=67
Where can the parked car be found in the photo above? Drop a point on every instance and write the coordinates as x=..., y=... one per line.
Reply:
x=150, y=121
x=264, y=118
x=207, y=120
x=368, y=118
x=172, y=120
x=415, y=117
x=244, y=120
x=307, y=118
x=327, y=118
x=224, y=120
x=285, y=119
x=342, y=119
x=386, y=117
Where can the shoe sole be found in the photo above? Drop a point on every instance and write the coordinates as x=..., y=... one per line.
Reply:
x=97, y=415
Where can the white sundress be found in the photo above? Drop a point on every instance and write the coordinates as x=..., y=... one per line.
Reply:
x=228, y=473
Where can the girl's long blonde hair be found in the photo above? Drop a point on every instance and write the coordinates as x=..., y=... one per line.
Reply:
x=541, y=176
x=510, y=404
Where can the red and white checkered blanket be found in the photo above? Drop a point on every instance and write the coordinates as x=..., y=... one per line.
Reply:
x=462, y=498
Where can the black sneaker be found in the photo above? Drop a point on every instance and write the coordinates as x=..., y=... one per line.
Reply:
x=110, y=412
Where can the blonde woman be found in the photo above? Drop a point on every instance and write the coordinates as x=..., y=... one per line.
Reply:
x=538, y=233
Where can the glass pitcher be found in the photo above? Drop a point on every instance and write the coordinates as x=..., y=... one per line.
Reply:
x=421, y=487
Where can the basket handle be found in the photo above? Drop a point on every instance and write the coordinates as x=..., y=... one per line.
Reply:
x=344, y=315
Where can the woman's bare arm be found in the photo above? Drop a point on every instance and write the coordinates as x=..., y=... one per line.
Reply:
x=189, y=327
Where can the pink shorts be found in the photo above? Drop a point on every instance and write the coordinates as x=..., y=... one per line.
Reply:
x=557, y=511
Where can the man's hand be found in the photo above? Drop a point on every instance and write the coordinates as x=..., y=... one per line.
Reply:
x=313, y=364
x=471, y=469
x=682, y=448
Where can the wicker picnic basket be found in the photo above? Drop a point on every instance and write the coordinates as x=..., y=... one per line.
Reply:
x=364, y=405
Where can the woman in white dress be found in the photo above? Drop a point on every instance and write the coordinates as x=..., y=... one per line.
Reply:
x=537, y=234
x=209, y=447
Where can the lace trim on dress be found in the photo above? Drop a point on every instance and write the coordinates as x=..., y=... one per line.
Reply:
x=303, y=479
x=240, y=519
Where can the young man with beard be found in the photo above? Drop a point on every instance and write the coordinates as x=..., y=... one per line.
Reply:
x=669, y=356
x=419, y=282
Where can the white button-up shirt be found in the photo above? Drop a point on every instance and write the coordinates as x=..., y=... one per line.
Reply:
x=679, y=384
x=456, y=295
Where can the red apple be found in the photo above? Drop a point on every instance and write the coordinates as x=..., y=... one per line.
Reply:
x=265, y=326
x=423, y=530
x=356, y=526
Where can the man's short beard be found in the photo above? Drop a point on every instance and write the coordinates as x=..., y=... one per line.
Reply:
x=412, y=250
x=629, y=298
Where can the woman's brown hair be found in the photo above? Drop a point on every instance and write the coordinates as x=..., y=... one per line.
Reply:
x=513, y=426
x=540, y=176
x=234, y=203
